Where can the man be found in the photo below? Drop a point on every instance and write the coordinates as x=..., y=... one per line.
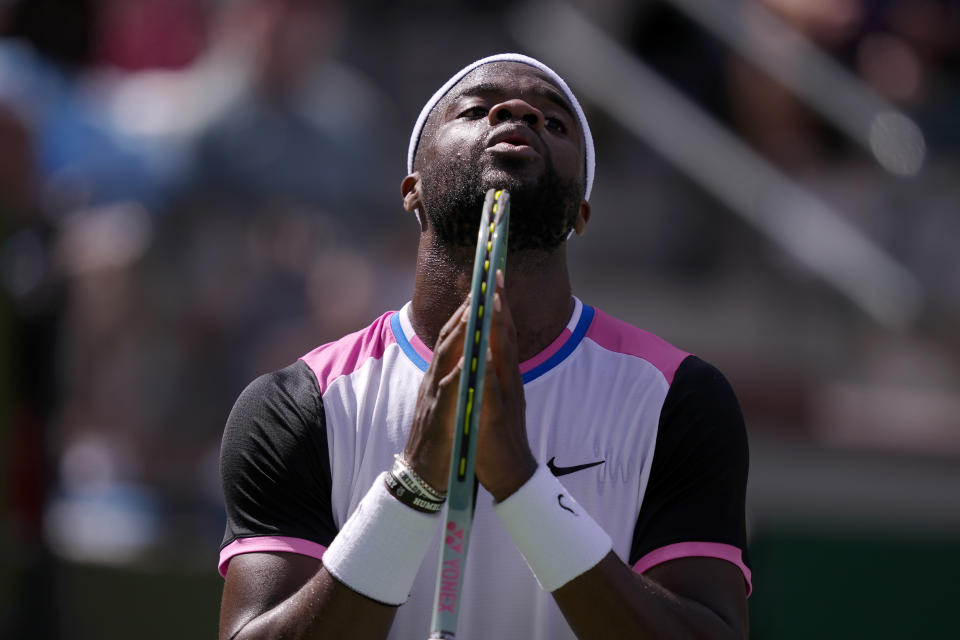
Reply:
x=634, y=527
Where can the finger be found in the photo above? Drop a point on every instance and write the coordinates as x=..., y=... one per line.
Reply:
x=431, y=434
x=449, y=347
x=453, y=321
x=503, y=336
x=492, y=388
x=503, y=314
x=448, y=391
x=450, y=382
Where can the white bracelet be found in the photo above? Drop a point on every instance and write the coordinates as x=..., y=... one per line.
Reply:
x=556, y=536
x=380, y=547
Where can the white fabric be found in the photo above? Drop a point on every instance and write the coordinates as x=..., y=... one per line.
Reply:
x=509, y=57
x=381, y=546
x=556, y=536
x=596, y=404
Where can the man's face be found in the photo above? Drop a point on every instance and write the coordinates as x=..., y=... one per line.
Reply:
x=505, y=126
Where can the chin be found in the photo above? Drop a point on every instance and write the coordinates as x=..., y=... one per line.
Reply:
x=512, y=179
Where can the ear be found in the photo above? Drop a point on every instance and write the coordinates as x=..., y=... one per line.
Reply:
x=410, y=188
x=583, y=217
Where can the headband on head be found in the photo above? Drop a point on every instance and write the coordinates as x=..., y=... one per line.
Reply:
x=508, y=57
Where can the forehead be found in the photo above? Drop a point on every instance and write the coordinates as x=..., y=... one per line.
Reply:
x=509, y=79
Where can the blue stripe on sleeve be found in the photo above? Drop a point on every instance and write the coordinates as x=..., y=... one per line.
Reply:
x=405, y=345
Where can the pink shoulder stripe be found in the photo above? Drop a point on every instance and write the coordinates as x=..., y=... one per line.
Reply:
x=719, y=550
x=547, y=353
x=618, y=336
x=351, y=352
x=268, y=543
x=422, y=349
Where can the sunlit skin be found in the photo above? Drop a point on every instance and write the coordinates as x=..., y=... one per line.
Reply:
x=520, y=119
x=516, y=116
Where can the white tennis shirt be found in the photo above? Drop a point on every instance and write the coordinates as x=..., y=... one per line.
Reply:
x=662, y=472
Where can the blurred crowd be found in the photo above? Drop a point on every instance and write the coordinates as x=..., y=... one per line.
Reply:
x=194, y=192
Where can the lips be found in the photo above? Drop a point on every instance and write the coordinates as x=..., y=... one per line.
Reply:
x=514, y=140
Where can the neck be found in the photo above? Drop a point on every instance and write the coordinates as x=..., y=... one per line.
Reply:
x=537, y=288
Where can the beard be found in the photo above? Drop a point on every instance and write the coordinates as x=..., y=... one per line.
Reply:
x=542, y=212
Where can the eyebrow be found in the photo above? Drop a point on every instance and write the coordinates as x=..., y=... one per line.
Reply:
x=486, y=88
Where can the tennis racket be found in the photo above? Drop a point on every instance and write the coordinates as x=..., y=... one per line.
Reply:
x=461, y=493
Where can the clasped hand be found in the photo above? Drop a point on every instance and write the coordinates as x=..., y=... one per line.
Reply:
x=504, y=460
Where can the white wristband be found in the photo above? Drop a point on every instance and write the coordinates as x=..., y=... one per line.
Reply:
x=556, y=536
x=381, y=546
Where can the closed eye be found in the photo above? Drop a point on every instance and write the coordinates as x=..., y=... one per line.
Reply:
x=473, y=113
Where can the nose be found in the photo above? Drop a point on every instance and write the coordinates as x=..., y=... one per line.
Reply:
x=516, y=109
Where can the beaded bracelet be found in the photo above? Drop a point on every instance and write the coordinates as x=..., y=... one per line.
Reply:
x=405, y=474
x=413, y=499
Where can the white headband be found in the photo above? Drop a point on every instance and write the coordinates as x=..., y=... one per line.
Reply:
x=508, y=57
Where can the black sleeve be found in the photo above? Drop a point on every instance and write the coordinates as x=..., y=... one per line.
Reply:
x=274, y=465
x=698, y=482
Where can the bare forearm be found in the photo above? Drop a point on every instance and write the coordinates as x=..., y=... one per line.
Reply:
x=321, y=608
x=611, y=601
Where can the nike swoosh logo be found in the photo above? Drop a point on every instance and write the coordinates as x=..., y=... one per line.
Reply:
x=563, y=506
x=562, y=471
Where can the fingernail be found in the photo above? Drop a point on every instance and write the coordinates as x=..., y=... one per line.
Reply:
x=500, y=278
x=496, y=301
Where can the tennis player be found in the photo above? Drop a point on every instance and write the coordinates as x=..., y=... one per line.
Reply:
x=612, y=465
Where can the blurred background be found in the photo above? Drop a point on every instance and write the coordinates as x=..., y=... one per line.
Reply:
x=195, y=192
